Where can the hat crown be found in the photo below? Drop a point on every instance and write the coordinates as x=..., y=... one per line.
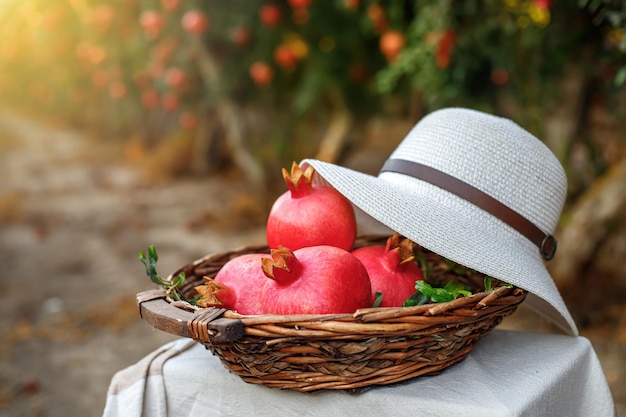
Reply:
x=422, y=193
x=494, y=155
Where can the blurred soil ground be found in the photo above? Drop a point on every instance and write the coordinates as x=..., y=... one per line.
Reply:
x=74, y=213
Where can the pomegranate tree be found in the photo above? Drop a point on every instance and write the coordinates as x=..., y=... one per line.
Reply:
x=392, y=270
x=310, y=214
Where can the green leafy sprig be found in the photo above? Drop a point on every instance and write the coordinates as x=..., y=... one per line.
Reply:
x=171, y=286
x=426, y=293
x=451, y=291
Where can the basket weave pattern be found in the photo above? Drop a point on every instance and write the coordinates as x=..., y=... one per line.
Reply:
x=373, y=346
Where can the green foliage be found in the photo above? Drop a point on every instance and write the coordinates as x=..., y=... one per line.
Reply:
x=98, y=60
x=611, y=15
x=170, y=285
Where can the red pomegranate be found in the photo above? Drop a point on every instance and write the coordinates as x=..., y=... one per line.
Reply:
x=391, y=43
x=310, y=214
x=170, y=5
x=151, y=22
x=175, y=77
x=392, y=270
x=195, y=22
x=261, y=73
x=237, y=286
x=300, y=4
x=314, y=280
x=270, y=15
x=150, y=99
x=241, y=36
x=284, y=56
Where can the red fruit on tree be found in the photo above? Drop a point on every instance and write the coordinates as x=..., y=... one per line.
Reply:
x=103, y=16
x=445, y=47
x=270, y=15
x=195, y=22
x=376, y=14
x=310, y=214
x=392, y=270
x=175, y=77
x=391, y=43
x=300, y=4
x=284, y=56
x=151, y=22
x=170, y=5
x=352, y=4
x=261, y=73
x=499, y=76
x=241, y=36
x=314, y=280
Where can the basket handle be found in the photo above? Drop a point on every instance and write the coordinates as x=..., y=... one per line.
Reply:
x=204, y=325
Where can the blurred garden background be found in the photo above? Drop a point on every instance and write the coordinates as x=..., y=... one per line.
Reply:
x=125, y=123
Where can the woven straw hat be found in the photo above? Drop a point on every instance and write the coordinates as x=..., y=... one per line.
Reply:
x=474, y=188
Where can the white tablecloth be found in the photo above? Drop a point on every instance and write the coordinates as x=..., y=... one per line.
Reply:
x=508, y=373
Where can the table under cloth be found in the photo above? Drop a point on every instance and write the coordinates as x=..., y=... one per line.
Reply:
x=509, y=373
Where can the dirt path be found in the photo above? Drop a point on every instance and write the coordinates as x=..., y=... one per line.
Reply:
x=72, y=220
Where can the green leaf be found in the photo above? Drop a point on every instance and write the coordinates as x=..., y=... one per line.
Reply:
x=179, y=280
x=456, y=289
x=153, y=254
x=378, y=299
x=417, y=299
x=150, y=265
x=438, y=295
x=449, y=292
x=170, y=285
x=488, y=286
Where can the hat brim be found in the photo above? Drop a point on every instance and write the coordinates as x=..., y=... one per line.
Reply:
x=453, y=228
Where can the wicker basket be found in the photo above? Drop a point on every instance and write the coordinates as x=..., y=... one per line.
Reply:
x=373, y=346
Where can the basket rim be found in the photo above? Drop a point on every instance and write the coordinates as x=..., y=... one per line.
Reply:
x=215, y=325
x=219, y=325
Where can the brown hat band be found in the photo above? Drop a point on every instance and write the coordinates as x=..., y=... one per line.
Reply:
x=545, y=242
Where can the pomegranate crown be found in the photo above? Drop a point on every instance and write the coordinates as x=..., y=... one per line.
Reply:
x=298, y=181
x=283, y=266
x=402, y=251
x=210, y=293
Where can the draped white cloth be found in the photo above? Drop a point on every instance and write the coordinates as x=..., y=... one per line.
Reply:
x=509, y=373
